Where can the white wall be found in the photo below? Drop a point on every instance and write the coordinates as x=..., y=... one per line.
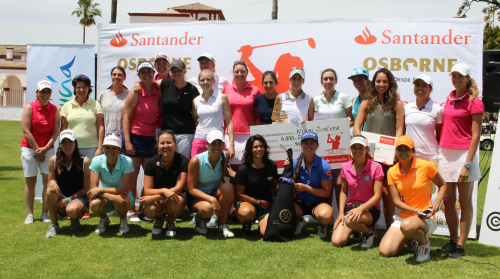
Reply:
x=153, y=19
x=21, y=74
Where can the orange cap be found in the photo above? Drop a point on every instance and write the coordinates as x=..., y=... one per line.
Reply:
x=405, y=140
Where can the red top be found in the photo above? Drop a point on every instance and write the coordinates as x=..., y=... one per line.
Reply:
x=457, y=121
x=42, y=124
x=143, y=117
x=242, y=107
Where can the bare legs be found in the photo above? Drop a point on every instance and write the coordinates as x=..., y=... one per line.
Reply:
x=450, y=210
x=340, y=236
x=99, y=206
x=137, y=163
x=224, y=194
x=246, y=212
x=29, y=193
x=154, y=210
x=394, y=239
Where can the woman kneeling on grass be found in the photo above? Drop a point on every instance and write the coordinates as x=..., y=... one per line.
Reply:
x=410, y=188
x=115, y=172
x=207, y=193
x=165, y=176
x=69, y=182
x=255, y=179
x=362, y=179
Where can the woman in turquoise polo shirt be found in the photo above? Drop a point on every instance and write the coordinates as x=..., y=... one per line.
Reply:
x=115, y=172
x=361, y=80
x=207, y=194
x=85, y=117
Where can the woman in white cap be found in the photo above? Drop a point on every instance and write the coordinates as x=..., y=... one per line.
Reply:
x=139, y=120
x=69, y=182
x=210, y=109
x=458, y=159
x=207, y=194
x=409, y=184
x=162, y=66
x=295, y=103
x=40, y=124
x=361, y=80
x=85, y=117
x=207, y=62
x=165, y=177
x=112, y=101
x=115, y=173
x=359, y=206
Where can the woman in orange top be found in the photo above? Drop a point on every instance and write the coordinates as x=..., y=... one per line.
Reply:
x=410, y=189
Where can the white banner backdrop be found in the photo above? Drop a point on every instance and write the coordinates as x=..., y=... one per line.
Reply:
x=407, y=47
x=59, y=64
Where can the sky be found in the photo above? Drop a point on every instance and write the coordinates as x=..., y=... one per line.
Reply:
x=50, y=21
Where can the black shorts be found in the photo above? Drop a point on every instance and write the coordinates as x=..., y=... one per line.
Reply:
x=373, y=211
x=308, y=208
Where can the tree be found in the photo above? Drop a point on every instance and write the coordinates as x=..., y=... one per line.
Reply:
x=491, y=35
x=87, y=10
x=274, y=14
x=114, y=3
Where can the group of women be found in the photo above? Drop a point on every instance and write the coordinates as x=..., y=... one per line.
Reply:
x=189, y=136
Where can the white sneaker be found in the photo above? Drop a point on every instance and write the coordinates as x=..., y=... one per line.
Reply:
x=213, y=222
x=201, y=226
x=134, y=217
x=300, y=226
x=424, y=252
x=170, y=230
x=45, y=218
x=412, y=245
x=101, y=227
x=225, y=231
x=123, y=226
x=113, y=213
x=321, y=231
x=368, y=239
x=29, y=219
x=157, y=227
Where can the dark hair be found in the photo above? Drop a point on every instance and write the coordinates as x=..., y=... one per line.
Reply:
x=123, y=72
x=61, y=161
x=240, y=62
x=391, y=96
x=162, y=132
x=328, y=70
x=247, y=154
x=269, y=73
x=82, y=78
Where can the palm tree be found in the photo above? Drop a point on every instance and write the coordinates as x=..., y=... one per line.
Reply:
x=274, y=14
x=89, y=11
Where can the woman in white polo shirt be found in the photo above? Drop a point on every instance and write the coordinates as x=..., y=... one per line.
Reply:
x=298, y=106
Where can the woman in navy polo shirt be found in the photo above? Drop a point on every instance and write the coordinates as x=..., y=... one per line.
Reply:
x=313, y=184
x=165, y=176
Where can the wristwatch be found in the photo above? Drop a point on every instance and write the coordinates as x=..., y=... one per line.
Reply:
x=467, y=165
x=100, y=147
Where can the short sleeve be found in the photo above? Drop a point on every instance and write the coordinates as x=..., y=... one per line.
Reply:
x=225, y=83
x=316, y=103
x=127, y=165
x=431, y=170
x=256, y=102
x=150, y=170
x=477, y=106
x=194, y=92
x=64, y=110
x=98, y=108
x=346, y=101
x=326, y=172
x=390, y=178
x=95, y=165
x=439, y=115
x=241, y=175
x=378, y=172
x=184, y=163
x=275, y=170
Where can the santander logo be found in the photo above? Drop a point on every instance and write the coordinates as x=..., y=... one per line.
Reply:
x=366, y=38
x=119, y=41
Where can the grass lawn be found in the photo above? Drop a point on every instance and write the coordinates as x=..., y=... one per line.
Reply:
x=26, y=252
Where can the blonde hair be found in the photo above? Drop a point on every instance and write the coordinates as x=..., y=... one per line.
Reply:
x=206, y=71
x=240, y=62
x=474, y=91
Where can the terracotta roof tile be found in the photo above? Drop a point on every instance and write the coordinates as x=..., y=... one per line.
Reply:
x=13, y=65
x=17, y=48
x=196, y=6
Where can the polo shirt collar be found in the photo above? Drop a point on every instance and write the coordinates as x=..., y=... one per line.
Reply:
x=316, y=163
x=413, y=165
x=365, y=169
x=214, y=95
x=289, y=96
x=39, y=107
x=453, y=94
x=236, y=88
x=104, y=163
x=88, y=102
x=324, y=99
x=427, y=106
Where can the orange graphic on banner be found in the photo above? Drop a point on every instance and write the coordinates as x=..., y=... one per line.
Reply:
x=386, y=140
x=366, y=38
x=119, y=41
x=282, y=67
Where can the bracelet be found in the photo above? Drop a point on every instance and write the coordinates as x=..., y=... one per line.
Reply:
x=416, y=211
x=68, y=199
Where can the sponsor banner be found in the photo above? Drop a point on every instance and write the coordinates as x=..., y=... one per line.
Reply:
x=407, y=47
x=58, y=64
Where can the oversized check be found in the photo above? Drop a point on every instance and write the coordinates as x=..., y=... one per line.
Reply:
x=381, y=147
x=333, y=135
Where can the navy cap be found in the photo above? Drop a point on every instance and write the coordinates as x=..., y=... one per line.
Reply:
x=359, y=71
x=309, y=135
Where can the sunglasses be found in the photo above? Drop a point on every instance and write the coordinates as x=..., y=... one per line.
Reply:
x=82, y=77
x=453, y=101
x=113, y=134
x=289, y=181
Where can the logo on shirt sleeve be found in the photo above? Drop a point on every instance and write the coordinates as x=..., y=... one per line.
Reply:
x=328, y=172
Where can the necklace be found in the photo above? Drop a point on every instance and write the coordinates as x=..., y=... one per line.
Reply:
x=177, y=92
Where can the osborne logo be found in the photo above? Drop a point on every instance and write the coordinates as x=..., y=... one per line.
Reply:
x=119, y=41
x=366, y=38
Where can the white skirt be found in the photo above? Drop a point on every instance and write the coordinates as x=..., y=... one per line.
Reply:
x=240, y=141
x=451, y=162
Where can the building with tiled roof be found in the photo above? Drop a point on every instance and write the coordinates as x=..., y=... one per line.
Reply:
x=12, y=75
x=191, y=12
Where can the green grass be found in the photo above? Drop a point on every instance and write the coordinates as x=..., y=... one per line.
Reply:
x=25, y=252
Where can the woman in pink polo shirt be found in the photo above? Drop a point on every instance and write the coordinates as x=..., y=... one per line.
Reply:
x=40, y=123
x=458, y=159
x=241, y=95
x=139, y=118
x=362, y=180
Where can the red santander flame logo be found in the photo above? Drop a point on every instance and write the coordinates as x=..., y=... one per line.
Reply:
x=366, y=38
x=119, y=41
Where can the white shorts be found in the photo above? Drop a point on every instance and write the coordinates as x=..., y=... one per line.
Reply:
x=184, y=142
x=240, y=141
x=451, y=162
x=431, y=222
x=31, y=165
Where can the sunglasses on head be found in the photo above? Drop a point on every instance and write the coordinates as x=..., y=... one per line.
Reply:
x=113, y=134
x=82, y=77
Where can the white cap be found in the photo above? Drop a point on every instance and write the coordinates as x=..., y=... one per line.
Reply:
x=113, y=140
x=425, y=78
x=207, y=55
x=145, y=65
x=297, y=71
x=162, y=56
x=359, y=140
x=215, y=135
x=461, y=68
x=67, y=134
x=41, y=85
